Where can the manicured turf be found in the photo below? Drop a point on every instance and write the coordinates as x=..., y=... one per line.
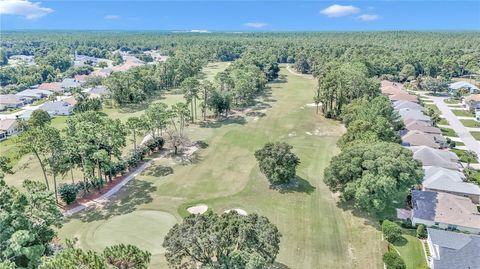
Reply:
x=411, y=250
x=476, y=135
x=443, y=122
x=452, y=101
x=458, y=143
x=470, y=123
x=317, y=233
x=448, y=132
x=433, y=107
x=463, y=113
x=460, y=154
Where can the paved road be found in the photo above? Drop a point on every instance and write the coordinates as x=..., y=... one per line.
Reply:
x=470, y=142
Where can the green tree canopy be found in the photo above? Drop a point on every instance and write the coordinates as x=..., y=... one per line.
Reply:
x=277, y=162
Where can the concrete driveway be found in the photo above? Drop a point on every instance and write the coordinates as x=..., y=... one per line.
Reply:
x=463, y=133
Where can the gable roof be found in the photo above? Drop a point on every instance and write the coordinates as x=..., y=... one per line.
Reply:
x=81, y=78
x=56, y=106
x=70, y=83
x=54, y=87
x=403, y=96
x=433, y=170
x=8, y=99
x=447, y=183
x=445, y=208
x=34, y=93
x=472, y=98
x=456, y=250
x=413, y=124
x=407, y=104
x=407, y=113
x=462, y=84
x=71, y=100
x=435, y=157
x=419, y=138
x=6, y=124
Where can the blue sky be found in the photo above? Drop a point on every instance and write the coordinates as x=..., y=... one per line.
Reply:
x=241, y=15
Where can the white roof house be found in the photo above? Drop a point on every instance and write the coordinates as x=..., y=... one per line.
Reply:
x=10, y=101
x=58, y=108
x=407, y=113
x=34, y=94
x=407, y=104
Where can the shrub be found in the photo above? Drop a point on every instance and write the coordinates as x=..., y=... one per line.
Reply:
x=393, y=261
x=421, y=231
x=391, y=231
x=68, y=193
x=97, y=183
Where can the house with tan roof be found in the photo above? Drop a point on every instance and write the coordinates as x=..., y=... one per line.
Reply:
x=413, y=124
x=419, y=138
x=10, y=101
x=407, y=104
x=53, y=87
x=444, y=210
x=81, y=78
x=403, y=96
x=8, y=127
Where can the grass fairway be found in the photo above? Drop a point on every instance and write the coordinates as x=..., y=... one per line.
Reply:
x=316, y=232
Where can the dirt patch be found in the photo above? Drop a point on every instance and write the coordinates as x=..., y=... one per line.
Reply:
x=198, y=209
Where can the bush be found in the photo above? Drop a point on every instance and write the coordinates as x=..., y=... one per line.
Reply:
x=391, y=231
x=68, y=193
x=421, y=231
x=393, y=261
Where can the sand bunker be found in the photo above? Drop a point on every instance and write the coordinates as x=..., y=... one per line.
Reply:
x=198, y=209
x=238, y=210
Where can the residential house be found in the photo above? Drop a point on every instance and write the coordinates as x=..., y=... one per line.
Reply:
x=444, y=210
x=58, y=108
x=97, y=91
x=69, y=83
x=30, y=95
x=449, y=181
x=71, y=100
x=81, y=60
x=10, y=101
x=413, y=124
x=9, y=127
x=419, y=138
x=403, y=96
x=81, y=78
x=436, y=157
x=28, y=113
x=413, y=114
x=397, y=105
x=53, y=87
x=104, y=72
x=454, y=87
x=450, y=250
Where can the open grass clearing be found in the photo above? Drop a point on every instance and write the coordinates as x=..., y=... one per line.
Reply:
x=452, y=101
x=476, y=135
x=317, y=233
x=448, y=132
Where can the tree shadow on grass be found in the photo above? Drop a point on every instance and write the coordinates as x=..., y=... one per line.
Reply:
x=369, y=218
x=134, y=193
x=158, y=171
x=402, y=241
x=297, y=185
x=219, y=123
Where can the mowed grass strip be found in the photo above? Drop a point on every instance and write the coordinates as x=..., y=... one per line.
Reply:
x=316, y=232
x=463, y=113
x=471, y=123
x=476, y=135
x=448, y=132
x=411, y=250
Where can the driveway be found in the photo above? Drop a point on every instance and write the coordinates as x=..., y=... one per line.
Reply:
x=470, y=142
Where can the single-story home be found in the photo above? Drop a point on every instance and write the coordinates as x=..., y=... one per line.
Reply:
x=10, y=101
x=472, y=102
x=412, y=124
x=21, y=59
x=450, y=250
x=407, y=104
x=436, y=157
x=97, y=91
x=419, y=138
x=53, y=87
x=28, y=113
x=9, y=127
x=69, y=83
x=104, y=72
x=71, y=100
x=444, y=210
x=81, y=60
x=30, y=95
x=462, y=85
x=58, y=108
x=81, y=78
x=444, y=180
x=407, y=113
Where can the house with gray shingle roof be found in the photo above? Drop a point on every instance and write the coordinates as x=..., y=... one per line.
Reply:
x=407, y=113
x=412, y=124
x=10, y=101
x=58, y=108
x=450, y=250
x=419, y=138
x=69, y=83
x=445, y=210
x=397, y=105
x=450, y=182
x=436, y=157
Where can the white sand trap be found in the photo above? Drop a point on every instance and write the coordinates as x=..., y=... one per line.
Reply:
x=311, y=105
x=308, y=133
x=198, y=209
x=238, y=210
x=292, y=134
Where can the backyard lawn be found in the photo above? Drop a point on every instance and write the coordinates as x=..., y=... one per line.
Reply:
x=448, y=132
x=476, y=135
x=460, y=153
x=316, y=232
x=411, y=250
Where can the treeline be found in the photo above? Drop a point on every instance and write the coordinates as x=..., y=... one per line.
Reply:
x=373, y=169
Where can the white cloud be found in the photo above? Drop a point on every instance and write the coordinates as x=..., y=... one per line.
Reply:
x=368, y=17
x=24, y=8
x=255, y=24
x=199, y=31
x=112, y=17
x=339, y=11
